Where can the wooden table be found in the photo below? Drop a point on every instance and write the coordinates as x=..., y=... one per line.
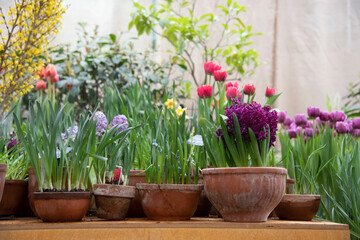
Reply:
x=196, y=228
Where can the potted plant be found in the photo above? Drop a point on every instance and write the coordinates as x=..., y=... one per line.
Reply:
x=112, y=194
x=169, y=193
x=241, y=186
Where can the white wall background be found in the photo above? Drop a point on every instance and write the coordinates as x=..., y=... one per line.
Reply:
x=309, y=48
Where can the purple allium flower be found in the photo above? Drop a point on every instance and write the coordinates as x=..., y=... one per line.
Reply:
x=292, y=133
x=300, y=119
x=356, y=132
x=309, y=132
x=281, y=116
x=342, y=127
x=101, y=123
x=337, y=116
x=259, y=119
x=324, y=116
x=288, y=122
x=313, y=112
x=71, y=131
x=356, y=123
x=120, y=120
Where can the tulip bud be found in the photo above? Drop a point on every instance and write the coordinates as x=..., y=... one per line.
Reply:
x=231, y=84
x=300, y=119
x=205, y=91
x=281, y=117
x=337, y=116
x=232, y=92
x=341, y=127
x=50, y=71
x=210, y=67
x=40, y=85
x=269, y=92
x=324, y=116
x=356, y=132
x=356, y=123
x=313, y=112
x=55, y=78
x=220, y=75
x=292, y=133
x=309, y=132
x=288, y=122
x=249, y=89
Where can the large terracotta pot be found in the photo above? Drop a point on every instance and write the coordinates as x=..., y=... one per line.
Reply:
x=113, y=201
x=245, y=194
x=299, y=207
x=135, y=209
x=61, y=206
x=15, y=200
x=32, y=187
x=169, y=201
x=2, y=178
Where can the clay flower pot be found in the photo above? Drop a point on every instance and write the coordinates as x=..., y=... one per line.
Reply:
x=290, y=186
x=113, y=201
x=15, y=200
x=61, y=206
x=204, y=205
x=135, y=209
x=245, y=194
x=300, y=207
x=169, y=201
x=2, y=178
x=32, y=187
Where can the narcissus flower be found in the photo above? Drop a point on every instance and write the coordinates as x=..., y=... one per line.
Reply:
x=169, y=103
x=249, y=89
x=180, y=111
x=40, y=85
x=205, y=91
x=220, y=75
x=269, y=92
x=210, y=67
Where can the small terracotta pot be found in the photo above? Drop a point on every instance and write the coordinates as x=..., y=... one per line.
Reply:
x=32, y=187
x=169, y=201
x=300, y=207
x=15, y=200
x=245, y=194
x=290, y=186
x=61, y=206
x=2, y=178
x=113, y=201
x=135, y=209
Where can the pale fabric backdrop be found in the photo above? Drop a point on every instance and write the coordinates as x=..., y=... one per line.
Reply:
x=309, y=48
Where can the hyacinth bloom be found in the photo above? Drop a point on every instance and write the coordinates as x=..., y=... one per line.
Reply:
x=281, y=117
x=232, y=92
x=309, y=132
x=117, y=174
x=211, y=67
x=101, y=123
x=313, y=112
x=249, y=89
x=205, y=91
x=40, y=85
x=342, y=127
x=231, y=84
x=220, y=75
x=71, y=131
x=169, y=103
x=324, y=116
x=55, y=78
x=300, y=119
x=356, y=123
x=337, y=116
x=120, y=120
x=269, y=92
x=50, y=71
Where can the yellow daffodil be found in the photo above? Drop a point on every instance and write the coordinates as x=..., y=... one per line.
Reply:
x=180, y=111
x=169, y=103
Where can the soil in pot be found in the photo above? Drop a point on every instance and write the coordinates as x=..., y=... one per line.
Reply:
x=62, y=206
x=135, y=209
x=244, y=194
x=113, y=201
x=169, y=201
x=15, y=199
x=299, y=207
x=2, y=178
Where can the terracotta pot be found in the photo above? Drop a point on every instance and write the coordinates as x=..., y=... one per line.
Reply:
x=61, y=206
x=245, y=194
x=290, y=186
x=204, y=205
x=113, y=201
x=32, y=187
x=15, y=200
x=135, y=209
x=169, y=201
x=300, y=207
x=2, y=178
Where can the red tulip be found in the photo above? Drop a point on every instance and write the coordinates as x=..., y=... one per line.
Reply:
x=40, y=85
x=269, y=92
x=232, y=92
x=211, y=67
x=55, y=78
x=231, y=84
x=41, y=73
x=249, y=89
x=220, y=75
x=205, y=91
x=50, y=71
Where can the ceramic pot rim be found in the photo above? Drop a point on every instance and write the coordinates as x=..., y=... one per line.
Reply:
x=300, y=197
x=15, y=182
x=3, y=167
x=110, y=190
x=62, y=195
x=290, y=180
x=247, y=170
x=133, y=173
x=155, y=187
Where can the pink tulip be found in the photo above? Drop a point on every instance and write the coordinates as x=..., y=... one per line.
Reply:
x=220, y=75
x=232, y=92
x=205, y=91
x=211, y=67
x=269, y=92
x=50, y=71
x=55, y=78
x=231, y=84
x=40, y=85
x=249, y=89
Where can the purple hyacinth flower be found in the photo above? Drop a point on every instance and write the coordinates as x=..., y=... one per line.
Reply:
x=292, y=133
x=337, y=116
x=281, y=116
x=309, y=132
x=300, y=119
x=71, y=131
x=288, y=122
x=101, y=123
x=324, y=116
x=120, y=120
x=356, y=132
x=313, y=112
x=356, y=123
x=342, y=127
